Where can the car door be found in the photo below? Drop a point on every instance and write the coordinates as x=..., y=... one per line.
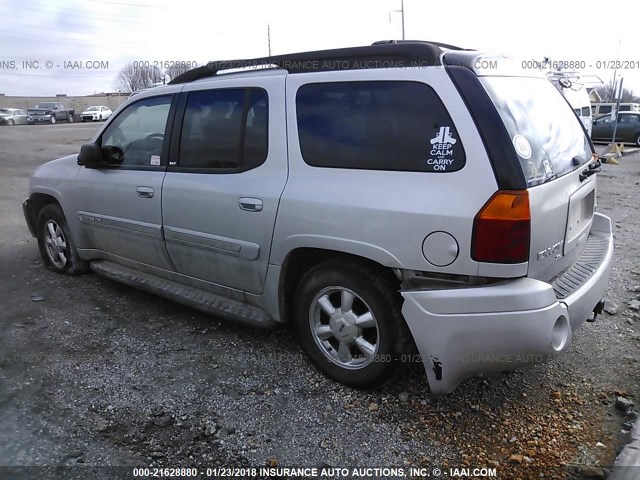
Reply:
x=224, y=180
x=602, y=128
x=627, y=127
x=120, y=207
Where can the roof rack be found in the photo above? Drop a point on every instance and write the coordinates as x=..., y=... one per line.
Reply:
x=437, y=44
x=385, y=54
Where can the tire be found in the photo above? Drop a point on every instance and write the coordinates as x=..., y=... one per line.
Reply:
x=52, y=119
x=10, y=122
x=55, y=243
x=70, y=117
x=362, y=355
x=638, y=140
x=100, y=118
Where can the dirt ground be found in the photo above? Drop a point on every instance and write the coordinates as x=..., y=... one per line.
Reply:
x=94, y=373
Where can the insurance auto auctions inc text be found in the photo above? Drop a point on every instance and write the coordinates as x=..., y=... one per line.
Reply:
x=368, y=473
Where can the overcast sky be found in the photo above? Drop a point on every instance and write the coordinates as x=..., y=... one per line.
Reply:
x=121, y=31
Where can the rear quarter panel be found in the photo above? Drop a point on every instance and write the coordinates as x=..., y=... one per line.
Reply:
x=383, y=215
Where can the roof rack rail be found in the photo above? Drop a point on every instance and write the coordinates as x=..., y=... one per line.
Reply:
x=437, y=44
x=378, y=55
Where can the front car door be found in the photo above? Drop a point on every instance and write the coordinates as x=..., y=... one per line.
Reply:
x=602, y=128
x=120, y=207
x=224, y=180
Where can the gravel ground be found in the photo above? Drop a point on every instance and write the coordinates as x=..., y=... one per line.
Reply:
x=95, y=373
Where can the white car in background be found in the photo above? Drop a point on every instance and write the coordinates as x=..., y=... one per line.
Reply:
x=97, y=113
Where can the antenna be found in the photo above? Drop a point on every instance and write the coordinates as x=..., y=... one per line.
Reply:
x=269, y=38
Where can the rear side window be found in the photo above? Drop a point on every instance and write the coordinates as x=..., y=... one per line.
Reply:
x=225, y=129
x=400, y=126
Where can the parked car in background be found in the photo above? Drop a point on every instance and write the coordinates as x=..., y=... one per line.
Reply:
x=628, y=130
x=96, y=113
x=49, y=112
x=12, y=116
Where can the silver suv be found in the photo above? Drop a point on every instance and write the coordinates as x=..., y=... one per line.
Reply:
x=381, y=199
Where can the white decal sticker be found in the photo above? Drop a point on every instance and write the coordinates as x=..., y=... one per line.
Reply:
x=522, y=145
x=155, y=160
x=441, y=150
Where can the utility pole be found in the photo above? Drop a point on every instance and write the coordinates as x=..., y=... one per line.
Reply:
x=402, y=13
x=618, y=94
x=269, y=38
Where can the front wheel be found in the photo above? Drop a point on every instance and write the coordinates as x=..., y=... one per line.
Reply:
x=55, y=242
x=52, y=119
x=348, y=320
x=10, y=122
x=70, y=117
x=638, y=140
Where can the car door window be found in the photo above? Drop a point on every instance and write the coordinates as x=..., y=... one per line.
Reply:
x=139, y=131
x=224, y=130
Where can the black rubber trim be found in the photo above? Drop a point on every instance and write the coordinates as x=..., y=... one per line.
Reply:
x=384, y=55
x=502, y=155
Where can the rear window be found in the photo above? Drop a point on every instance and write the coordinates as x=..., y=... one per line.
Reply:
x=377, y=126
x=547, y=136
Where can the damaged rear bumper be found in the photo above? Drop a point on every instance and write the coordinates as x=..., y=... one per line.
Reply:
x=463, y=332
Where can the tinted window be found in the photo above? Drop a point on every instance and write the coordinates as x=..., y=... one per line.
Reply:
x=546, y=135
x=605, y=108
x=139, y=131
x=377, y=126
x=625, y=108
x=628, y=118
x=225, y=129
x=586, y=111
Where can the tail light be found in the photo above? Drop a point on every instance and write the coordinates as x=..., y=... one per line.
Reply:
x=502, y=228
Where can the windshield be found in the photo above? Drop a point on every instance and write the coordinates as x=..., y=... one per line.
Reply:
x=547, y=136
x=45, y=105
x=93, y=109
x=4, y=111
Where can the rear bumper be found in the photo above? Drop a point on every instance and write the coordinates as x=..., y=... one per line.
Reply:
x=463, y=332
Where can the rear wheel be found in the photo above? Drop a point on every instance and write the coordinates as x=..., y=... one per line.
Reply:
x=55, y=243
x=348, y=320
x=638, y=140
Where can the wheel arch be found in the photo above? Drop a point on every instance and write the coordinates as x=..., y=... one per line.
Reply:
x=302, y=259
x=38, y=201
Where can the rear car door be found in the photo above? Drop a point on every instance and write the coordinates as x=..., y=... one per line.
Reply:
x=227, y=171
x=120, y=207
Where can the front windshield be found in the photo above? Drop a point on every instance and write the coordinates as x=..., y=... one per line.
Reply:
x=4, y=111
x=546, y=134
x=45, y=105
x=93, y=109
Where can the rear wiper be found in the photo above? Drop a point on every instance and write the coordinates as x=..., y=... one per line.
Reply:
x=593, y=168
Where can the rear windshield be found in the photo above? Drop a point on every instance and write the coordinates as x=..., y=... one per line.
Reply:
x=548, y=138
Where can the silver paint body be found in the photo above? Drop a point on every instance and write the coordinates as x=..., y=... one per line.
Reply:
x=231, y=234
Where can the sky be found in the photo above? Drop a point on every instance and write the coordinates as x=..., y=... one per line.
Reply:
x=64, y=35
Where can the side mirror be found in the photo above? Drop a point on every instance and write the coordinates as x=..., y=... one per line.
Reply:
x=92, y=156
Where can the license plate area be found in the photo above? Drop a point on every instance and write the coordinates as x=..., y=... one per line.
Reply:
x=581, y=208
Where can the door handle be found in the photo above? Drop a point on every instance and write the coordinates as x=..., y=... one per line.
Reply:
x=250, y=204
x=144, y=192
